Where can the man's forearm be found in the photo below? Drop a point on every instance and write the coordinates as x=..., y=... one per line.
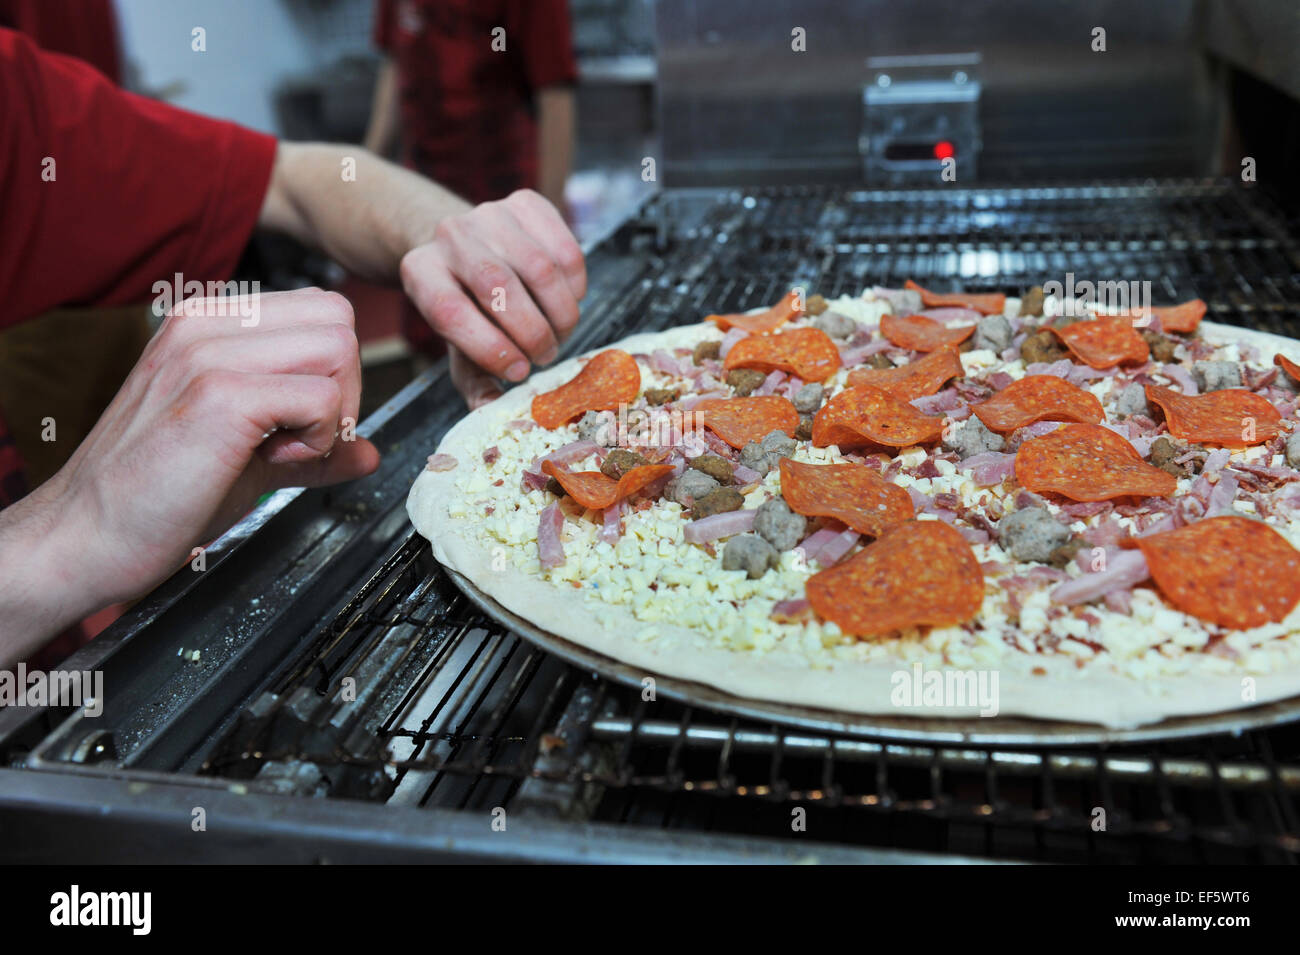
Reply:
x=365, y=212
x=41, y=590
x=555, y=126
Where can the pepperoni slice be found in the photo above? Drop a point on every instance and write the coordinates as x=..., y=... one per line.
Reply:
x=868, y=415
x=1230, y=570
x=853, y=494
x=1233, y=418
x=806, y=352
x=917, y=574
x=918, y=333
x=1288, y=366
x=986, y=304
x=916, y=379
x=739, y=421
x=1183, y=318
x=1038, y=398
x=1104, y=342
x=597, y=491
x=1086, y=462
x=761, y=323
x=608, y=380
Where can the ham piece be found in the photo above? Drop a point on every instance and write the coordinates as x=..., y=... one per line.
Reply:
x=860, y=353
x=715, y=526
x=989, y=467
x=837, y=547
x=611, y=528
x=1124, y=569
x=574, y=451
x=550, y=548
x=791, y=611
x=812, y=544
x=1179, y=376
x=728, y=340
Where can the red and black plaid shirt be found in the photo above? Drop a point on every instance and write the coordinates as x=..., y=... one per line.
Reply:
x=468, y=117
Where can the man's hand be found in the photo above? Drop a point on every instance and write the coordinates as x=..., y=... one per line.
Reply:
x=501, y=283
x=213, y=415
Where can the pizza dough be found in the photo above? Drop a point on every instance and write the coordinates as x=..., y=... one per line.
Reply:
x=864, y=679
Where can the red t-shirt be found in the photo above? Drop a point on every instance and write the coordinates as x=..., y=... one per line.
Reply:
x=103, y=193
x=467, y=109
x=86, y=29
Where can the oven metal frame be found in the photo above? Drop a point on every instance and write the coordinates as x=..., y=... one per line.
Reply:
x=313, y=573
x=119, y=818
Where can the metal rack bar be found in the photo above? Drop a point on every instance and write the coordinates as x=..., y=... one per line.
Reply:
x=1181, y=770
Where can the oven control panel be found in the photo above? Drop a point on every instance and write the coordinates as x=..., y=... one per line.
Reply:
x=920, y=119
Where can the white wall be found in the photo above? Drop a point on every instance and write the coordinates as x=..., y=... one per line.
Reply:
x=252, y=45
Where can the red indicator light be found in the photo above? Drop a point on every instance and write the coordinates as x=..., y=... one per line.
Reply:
x=943, y=150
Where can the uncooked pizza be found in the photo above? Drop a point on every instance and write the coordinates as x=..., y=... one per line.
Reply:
x=841, y=503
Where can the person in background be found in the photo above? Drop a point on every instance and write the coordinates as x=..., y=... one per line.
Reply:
x=480, y=95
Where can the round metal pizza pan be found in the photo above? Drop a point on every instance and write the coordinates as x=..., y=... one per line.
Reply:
x=995, y=731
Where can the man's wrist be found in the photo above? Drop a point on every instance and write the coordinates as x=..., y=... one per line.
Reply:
x=42, y=565
x=420, y=226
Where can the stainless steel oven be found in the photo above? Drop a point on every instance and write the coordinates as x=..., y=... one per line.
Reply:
x=222, y=686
